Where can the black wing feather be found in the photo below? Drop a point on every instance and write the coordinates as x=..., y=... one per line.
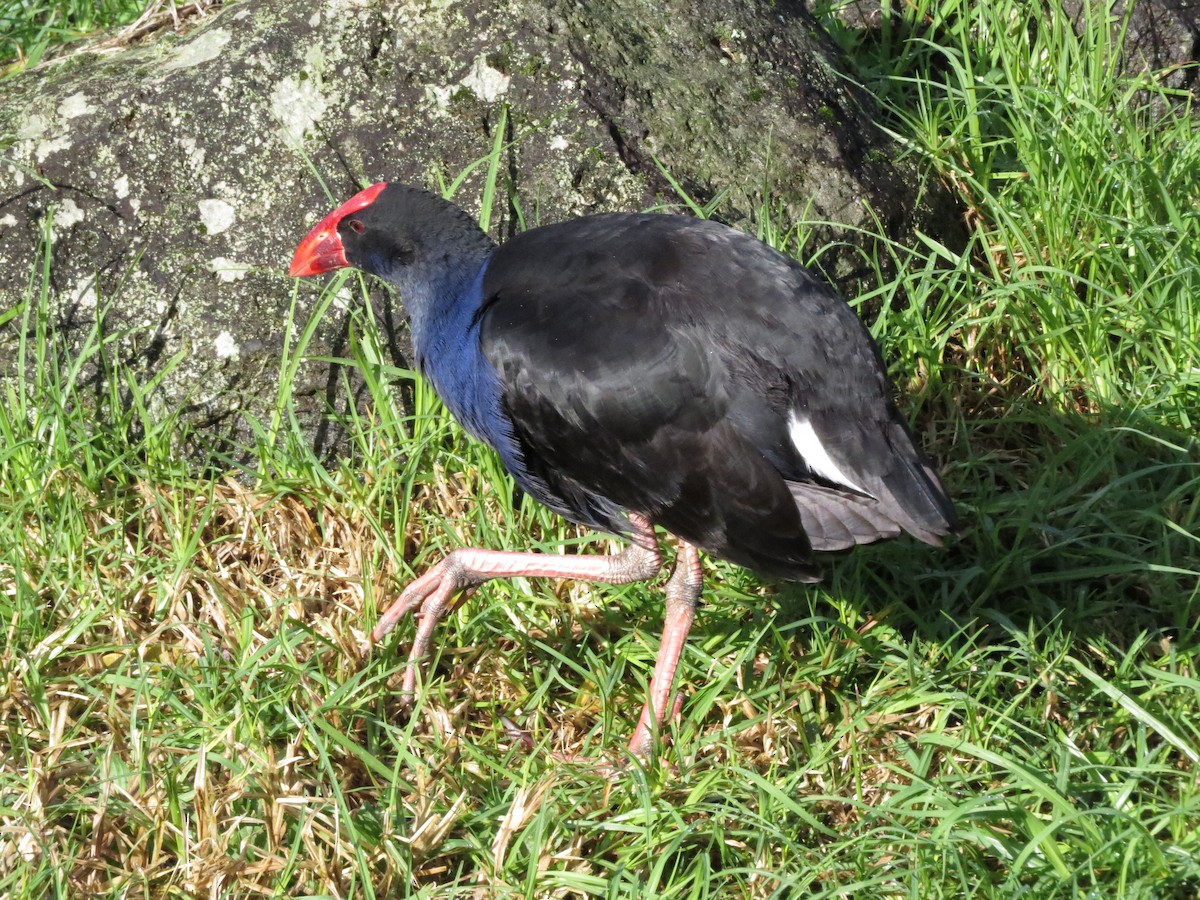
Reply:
x=651, y=363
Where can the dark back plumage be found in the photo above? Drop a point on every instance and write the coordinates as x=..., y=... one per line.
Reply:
x=680, y=369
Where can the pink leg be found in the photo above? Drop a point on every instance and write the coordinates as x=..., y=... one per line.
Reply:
x=683, y=593
x=464, y=570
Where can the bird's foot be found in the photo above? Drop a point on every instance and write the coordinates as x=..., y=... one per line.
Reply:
x=429, y=599
x=640, y=746
x=430, y=596
x=642, y=740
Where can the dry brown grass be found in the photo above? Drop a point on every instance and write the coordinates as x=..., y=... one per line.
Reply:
x=253, y=566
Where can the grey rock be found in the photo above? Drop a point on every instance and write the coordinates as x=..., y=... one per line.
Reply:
x=176, y=178
x=1161, y=36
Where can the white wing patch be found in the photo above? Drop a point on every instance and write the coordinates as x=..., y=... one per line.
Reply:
x=804, y=436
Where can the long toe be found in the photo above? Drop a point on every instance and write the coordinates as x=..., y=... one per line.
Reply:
x=410, y=598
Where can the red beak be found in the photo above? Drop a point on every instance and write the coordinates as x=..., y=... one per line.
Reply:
x=321, y=250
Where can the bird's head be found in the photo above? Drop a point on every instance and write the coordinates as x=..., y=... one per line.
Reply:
x=324, y=248
x=397, y=232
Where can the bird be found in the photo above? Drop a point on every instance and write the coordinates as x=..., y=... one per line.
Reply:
x=638, y=372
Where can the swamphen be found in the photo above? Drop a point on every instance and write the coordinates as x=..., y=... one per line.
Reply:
x=638, y=370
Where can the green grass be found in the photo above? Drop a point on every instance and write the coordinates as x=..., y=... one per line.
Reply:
x=28, y=28
x=185, y=709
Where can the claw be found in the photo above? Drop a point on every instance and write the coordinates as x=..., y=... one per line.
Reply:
x=410, y=598
x=449, y=583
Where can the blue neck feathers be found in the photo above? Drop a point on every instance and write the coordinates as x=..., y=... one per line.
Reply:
x=445, y=334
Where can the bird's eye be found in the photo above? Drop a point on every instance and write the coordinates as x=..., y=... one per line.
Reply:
x=355, y=226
